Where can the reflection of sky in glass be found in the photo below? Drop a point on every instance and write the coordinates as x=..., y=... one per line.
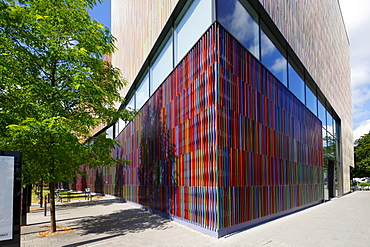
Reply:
x=296, y=84
x=194, y=23
x=109, y=132
x=311, y=101
x=324, y=140
x=142, y=93
x=329, y=124
x=120, y=125
x=273, y=59
x=131, y=103
x=235, y=18
x=321, y=114
x=162, y=66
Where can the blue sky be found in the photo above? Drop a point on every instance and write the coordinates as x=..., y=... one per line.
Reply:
x=356, y=15
x=101, y=13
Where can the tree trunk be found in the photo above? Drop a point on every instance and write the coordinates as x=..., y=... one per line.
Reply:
x=53, y=225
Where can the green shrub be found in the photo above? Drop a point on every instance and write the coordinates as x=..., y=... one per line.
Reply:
x=364, y=184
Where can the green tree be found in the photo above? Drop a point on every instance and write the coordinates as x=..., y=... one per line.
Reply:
x=55, y=88
x=362, y=157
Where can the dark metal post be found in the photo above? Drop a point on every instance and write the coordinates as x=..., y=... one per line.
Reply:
x=40, y=197
x=45, y=202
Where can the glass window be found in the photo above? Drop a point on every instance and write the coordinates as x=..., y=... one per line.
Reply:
x=330, y=124
x=109, y=132
x=311, y=100
x=329, y=147
x=324, y=136
x=337, y=150
x=321, y=113
x=273, y=59
x=142, y=93
x=336, y=129
x=120, y=125
x=296, y=84
x=240, y=23
x=131, y=103
x=162, y=66
x=193, y=24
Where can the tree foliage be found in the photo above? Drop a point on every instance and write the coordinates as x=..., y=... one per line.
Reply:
x=362, y=157
x=55, y=87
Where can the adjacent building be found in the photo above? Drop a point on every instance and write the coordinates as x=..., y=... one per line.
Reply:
x=245, y=109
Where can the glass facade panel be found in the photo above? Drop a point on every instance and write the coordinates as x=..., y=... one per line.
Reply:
x=131, y=103
x=240, y=23
x=330, y=147
x=273, y=59
x=193, y=24
x=296, y=84
x=336, y=129
x=109, y=132
x=321, y=113
x=120, y=125
x=142, y=93
x=329, y=124
x=311, y=100
x=162, y=66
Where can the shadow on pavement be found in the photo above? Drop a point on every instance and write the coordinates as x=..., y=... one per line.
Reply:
x=102, y=202
x=122, y=222
x=58, y=220
x=91, y=241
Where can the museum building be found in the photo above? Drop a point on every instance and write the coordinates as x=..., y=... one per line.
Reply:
x=245, y=110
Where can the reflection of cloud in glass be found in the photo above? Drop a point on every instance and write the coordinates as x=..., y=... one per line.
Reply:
x=240, y=25
x=323, y=132
x=330, y=129
x=243, y=27
x=267, y=46
x=279, y=65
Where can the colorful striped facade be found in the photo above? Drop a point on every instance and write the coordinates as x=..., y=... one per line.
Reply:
x=227, y=137
x=220, y=145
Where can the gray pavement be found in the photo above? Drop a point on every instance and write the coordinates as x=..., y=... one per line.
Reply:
x=343, y=221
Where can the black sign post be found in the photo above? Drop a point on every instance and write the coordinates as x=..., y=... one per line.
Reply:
x=10, y=198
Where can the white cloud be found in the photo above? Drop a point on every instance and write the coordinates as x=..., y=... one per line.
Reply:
x=359, y=115
x=355, y=12
x=360, y=75
x=361, y=130
x=360, y=97
x=356, y=16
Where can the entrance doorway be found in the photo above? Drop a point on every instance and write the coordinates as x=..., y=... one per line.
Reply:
x=331, y=179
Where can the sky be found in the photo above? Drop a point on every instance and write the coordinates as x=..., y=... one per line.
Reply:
x=356, y=15
x=101, y=13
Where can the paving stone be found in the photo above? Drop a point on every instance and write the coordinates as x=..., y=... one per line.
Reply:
x=110, y=222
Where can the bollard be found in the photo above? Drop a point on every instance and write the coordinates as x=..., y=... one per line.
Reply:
x=45, y=202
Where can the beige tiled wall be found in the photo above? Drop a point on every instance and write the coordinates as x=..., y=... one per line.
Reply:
x=136, y=26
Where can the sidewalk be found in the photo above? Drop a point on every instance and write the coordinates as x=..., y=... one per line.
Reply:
x=108, y=222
